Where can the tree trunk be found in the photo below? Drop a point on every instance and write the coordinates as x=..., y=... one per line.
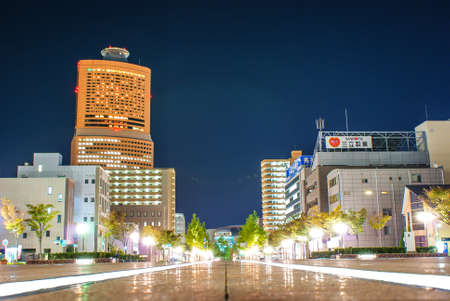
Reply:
x=357, y=239
x=40, y=247
x=379, y=239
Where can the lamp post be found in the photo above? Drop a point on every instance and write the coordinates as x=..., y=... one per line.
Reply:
x=316, y=234
x=149, y=242
x=341, y=229
x=135, y=239
x=81, y=230
x=425, y=217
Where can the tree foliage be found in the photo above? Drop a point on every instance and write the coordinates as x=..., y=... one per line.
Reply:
x=117, y=228
x=40, y=217
x=437, y=200
x=378, y=222
x=13, y=219
x=196, y=235
x=251, y=233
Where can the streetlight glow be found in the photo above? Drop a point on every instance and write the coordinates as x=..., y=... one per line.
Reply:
x=134, y=237
x=82, y=228
x=148, y=241
x=340, y=228
x=425, y=216
x=316, y=232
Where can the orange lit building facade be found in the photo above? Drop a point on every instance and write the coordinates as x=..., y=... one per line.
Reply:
x=113, y=113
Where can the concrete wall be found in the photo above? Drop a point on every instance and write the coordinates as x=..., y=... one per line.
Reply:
x=375, y=190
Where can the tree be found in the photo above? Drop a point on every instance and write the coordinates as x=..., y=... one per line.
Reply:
x=39, y=221
x=251, y=233
x=196, y=235
x=378, y=222
x=437, y=199
x=355, y=221
x=117, y=228
x=13, y=220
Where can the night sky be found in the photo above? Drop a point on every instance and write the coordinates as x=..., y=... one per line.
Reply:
x=231, y=85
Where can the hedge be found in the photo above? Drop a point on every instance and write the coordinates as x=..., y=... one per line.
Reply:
x=69, y=255
x=374, y=250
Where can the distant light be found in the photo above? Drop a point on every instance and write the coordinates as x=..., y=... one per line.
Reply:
x=368, y=192
x=425, y=216
x=83, y=261
x=367, y=256
x=340, y=228
x=316, y=232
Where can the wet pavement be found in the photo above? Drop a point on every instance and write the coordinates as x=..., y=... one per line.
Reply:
x=22, y=272
x=245, y=281
x=419, y=265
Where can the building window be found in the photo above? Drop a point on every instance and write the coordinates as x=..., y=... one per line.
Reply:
x=153, y=213
x=47, y=233
x=334, y=198
x=387, y=230
x=60, y=197
x=85, y=219
x=387, y=211
x=145, y=213
x=159, y=223
x=58, y=237
x=390, y=178
x=145, y=224
x=333, y=182
x=159, y=213
x=131, y=213
x=365, y=180
x=93, y=181
x=92, y=218
x=92, y=200
x=59, y=219
x=153, y=224
x=399, y=178
x=138, y=213
x=86, y=181
x=86, y=200
x=50, y=190
x=416, y=178
x=24, y=235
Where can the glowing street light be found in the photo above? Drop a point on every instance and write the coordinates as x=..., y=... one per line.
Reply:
x=134, y=237
x=81, y=230
x=316, y=233
x=341, y=229
x=425, y=217
x=149, y=242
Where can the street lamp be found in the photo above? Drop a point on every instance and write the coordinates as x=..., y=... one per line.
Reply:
x=316, y=234
x=341, y=229
x=81, y=230
x=425, y=217
x=149, y=242
x=135, y=239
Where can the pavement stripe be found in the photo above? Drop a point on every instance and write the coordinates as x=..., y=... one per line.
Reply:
x=23, y=287
x=422, y=280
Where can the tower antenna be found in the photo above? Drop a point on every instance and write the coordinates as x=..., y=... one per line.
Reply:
x=346, y=119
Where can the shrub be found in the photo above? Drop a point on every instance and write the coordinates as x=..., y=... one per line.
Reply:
x=426, y=250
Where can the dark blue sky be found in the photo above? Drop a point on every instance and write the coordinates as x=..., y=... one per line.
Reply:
x=231, y=85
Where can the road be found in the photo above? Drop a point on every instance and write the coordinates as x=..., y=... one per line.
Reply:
x=247, y=281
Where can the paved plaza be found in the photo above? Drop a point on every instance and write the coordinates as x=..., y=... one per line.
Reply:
x=245, y=281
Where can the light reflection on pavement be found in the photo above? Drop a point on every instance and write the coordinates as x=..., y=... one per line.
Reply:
x=246, y=281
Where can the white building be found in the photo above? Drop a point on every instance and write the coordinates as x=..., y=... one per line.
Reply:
x=438, y=143
x=380, y=191
x=57, y=191
x=91, y=194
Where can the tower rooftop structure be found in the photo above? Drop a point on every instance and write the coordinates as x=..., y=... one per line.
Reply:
x=115, y=54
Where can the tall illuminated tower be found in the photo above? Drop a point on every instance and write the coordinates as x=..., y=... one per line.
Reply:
x=112, y=126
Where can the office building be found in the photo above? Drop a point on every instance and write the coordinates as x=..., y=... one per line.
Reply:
x=295, y=189
x=437, y=143
x=352, y=150
x=145, y=196
x=421, y=221
x=112, y=127
x=57, y=191
x=379, y=191
x=91, y=194
x=273, y=180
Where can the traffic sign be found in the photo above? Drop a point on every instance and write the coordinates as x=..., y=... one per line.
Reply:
x=5, y=243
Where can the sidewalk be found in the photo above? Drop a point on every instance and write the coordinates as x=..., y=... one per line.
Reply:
x=419, y=265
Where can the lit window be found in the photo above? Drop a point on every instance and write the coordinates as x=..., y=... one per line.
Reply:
x=59, y=219
x=60, y=197
x=40, y=168
x=50, y=190
x=47, y=233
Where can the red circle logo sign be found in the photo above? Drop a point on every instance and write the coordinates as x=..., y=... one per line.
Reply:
x=334, y=141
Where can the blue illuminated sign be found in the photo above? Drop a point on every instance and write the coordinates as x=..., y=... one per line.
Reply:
x=301, y=161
